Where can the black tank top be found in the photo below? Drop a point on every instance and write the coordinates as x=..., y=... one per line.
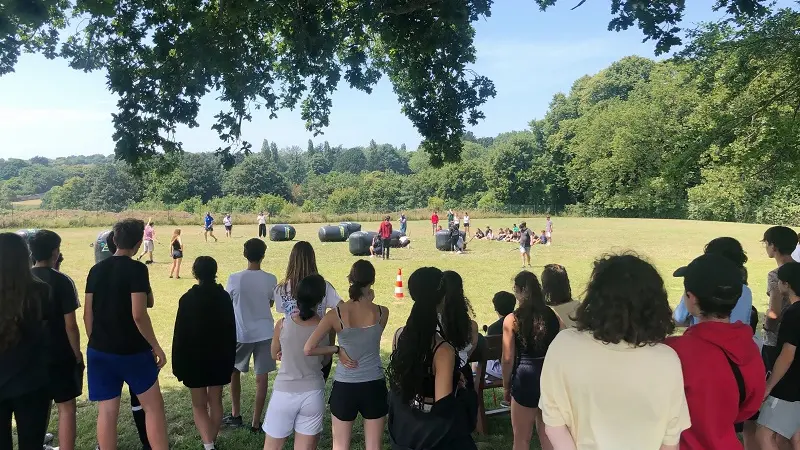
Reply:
x=538, y=349
x=176, y=245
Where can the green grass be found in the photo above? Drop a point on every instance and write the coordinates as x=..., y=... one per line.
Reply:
x=486, y=268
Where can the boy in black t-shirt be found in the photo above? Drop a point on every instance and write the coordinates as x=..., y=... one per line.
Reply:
x=65, y=362
x=122, y=344
x=504, y=303
x=780, y=413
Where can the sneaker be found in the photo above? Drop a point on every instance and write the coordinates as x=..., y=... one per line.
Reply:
x=231, y=421
x=48, y=438
x=258, y=430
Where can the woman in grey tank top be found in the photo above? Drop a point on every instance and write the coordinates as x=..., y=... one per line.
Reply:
x=359, y=386
x=297, y=403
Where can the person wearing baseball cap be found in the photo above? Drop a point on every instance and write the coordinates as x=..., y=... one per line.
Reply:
x=722, y=369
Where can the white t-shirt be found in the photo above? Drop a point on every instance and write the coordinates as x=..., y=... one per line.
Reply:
x=251, y=292
x=796, y=253
x=466, y=220
x=286, y=303
x=262, y=220
x=227, y=221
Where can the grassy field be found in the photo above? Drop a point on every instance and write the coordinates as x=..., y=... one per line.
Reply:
x=486, y=268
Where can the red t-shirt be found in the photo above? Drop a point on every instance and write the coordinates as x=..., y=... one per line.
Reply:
x=385, y=230
x=711, y=390
x=434, y=219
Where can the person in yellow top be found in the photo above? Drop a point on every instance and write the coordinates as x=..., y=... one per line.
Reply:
x=558, y=293
x=611, y=383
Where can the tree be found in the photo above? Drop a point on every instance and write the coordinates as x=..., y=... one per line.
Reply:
x=385, y=157
x=204, y=175
x=10, y=168
x=351, y=160
x=254, y=177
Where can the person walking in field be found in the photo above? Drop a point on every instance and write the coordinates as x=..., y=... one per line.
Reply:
x=385, y=232
x=253, y=294
x=403, y=223
x=209, y=227
x=262, y=225
x=204, y=347
x=228, y=222
x=65, y=358
x=149, y=244
x=176, y=244
x=435, y=222
x=466, y=223
x=548, y=230
x=526, y=237
x=24, y=312
x=450, y=217
x=122, y=345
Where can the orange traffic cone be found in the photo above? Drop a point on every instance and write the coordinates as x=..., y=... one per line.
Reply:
x=398, y=285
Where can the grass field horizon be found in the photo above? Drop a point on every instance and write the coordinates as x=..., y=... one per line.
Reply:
x=486, y=268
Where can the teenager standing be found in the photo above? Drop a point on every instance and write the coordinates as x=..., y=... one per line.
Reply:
x=65, y=358
x=228, y=223
x=204, y=347
x=779, y=243
x=149, y=244
x=435, y=222
x=122, y=345
x=385, y=232
x=24, y=309
x=176, y=247
x=252, y=291
x=208, y=223
x=262, y=225
x=525, y=238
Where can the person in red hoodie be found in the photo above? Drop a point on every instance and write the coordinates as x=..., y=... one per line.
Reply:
x=435, y=221
x=385, y=232
x=723, y=372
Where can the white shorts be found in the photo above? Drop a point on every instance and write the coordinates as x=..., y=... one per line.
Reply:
x=780, y=416
x=524, y=250
x=301, y=412
x=547, y=234
x=149, y=246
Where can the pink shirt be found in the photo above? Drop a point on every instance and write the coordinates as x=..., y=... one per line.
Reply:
x=148, y=233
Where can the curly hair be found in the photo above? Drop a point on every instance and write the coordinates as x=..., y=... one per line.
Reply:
x=456, y=312
x=412, y=360
x=625, y=300
x=530, y=320
x=21, y=294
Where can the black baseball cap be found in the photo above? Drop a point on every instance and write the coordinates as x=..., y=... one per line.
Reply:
x=711, y=275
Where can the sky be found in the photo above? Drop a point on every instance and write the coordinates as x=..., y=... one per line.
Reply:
x=48, y=109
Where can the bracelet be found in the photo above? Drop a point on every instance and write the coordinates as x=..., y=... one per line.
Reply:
x=338, y=349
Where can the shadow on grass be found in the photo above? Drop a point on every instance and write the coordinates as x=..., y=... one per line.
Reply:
x=184, y=436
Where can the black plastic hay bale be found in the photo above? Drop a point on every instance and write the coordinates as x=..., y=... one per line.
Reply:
x=101, y=250
x=333, y=233
x=443, y=241
x=282, y=232
x=360, y=242
x=350, y=227
x=395, y=240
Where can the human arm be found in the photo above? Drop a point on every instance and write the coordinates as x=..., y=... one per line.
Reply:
x=88, y=314
x=560, y=437
x=151, y=300
x=509, y=353
x=681, y=314
x=443, y=362
x=275, y=347
x=145, y=326
x=781, y=366
x=73, y=335
x=775, y=297
x=312, y=347
x=473, y=337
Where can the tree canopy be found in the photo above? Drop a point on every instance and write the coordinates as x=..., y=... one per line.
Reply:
x=162, y=56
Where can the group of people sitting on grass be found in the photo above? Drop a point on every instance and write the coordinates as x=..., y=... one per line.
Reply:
x=600, y=373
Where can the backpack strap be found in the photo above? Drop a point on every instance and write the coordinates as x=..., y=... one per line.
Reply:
x=737, y=373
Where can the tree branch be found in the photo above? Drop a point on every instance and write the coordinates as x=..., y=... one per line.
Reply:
x=411, y=7
x=578, y=5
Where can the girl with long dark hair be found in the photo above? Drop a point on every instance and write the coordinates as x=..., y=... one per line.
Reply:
x=359, y=386
x=24, y=305
x=302, y=263
x=297, y=404
x=558, y=293
x=527, y=333
x=204, y=346
x=457, y=326
x=176, y=248
x=429, y=406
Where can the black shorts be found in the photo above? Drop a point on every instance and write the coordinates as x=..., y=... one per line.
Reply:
x=177, y=254
x=370, y=399
x=228, y=227
x=525, y=382
x=66, y=381
x=209, y=228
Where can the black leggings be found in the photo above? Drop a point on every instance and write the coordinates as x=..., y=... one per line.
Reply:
x=386, y=248
x=262, y=230
x=31, y=412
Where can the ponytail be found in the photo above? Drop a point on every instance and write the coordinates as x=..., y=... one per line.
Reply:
x=362, y=274
x=529, y=315
x=310, y=292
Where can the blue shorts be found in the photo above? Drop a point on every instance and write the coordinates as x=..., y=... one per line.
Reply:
x=106, y=372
